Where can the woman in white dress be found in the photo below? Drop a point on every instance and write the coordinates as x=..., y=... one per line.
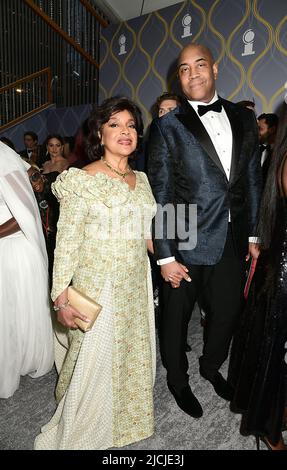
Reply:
x=26, y=339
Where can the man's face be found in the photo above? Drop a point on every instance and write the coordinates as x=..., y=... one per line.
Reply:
x=166, y=106
x=265, y=132
x=29, y=142
x=197, y=73
x=37, y=181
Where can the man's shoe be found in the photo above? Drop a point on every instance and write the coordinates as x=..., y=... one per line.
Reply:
x=221, y=386
x=187, y=348
x=187, y=401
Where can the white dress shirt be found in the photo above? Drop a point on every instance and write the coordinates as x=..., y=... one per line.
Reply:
x=265, y=153
x=218, y=127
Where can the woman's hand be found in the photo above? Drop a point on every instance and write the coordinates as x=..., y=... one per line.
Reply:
x=254, y=251
x=174, y=272
x=66, y=316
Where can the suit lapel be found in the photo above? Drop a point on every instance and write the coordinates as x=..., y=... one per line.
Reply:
x=237, y=136
x=191, y=121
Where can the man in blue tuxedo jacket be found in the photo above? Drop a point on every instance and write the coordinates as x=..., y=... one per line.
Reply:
x=205, y=153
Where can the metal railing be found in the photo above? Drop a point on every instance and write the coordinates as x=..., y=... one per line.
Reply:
x=25, y=97
x=71, y=49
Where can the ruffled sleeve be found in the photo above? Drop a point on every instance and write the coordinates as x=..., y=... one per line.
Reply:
x=74, y=209
x=100, y=187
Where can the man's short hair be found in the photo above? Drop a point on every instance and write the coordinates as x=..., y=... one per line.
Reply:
x=31, y=134
x=167, y=96
x=246, y=103
x=271, y=119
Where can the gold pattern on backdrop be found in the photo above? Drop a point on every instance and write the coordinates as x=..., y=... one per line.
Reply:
x=247, y=37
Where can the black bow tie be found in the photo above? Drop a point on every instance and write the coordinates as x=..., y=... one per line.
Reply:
x=216, y=106
x=263, y=147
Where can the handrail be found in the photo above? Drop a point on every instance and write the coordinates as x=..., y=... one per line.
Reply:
x=29, y=78
x=93, y=12
x=62, y=33
x=25, y=116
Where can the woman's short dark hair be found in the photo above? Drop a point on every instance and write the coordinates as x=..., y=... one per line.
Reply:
x=102, y=114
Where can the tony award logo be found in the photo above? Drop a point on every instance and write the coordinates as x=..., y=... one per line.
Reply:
x=248, y=39
x=186, y=22
x=122, y=43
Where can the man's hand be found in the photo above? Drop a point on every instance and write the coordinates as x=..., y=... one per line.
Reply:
x=9, y=227
x=254, y=251
x=174, y=272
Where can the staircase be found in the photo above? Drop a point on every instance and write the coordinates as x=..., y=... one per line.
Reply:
x=49, y=52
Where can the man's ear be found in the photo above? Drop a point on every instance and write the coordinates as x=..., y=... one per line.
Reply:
x=215, y=70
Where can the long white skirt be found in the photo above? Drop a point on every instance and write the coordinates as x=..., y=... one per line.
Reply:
x=26, y=339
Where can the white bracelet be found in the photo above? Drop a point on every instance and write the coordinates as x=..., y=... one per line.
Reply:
x=56, y=308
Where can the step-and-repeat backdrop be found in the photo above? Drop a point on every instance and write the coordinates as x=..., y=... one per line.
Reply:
x=247, y=37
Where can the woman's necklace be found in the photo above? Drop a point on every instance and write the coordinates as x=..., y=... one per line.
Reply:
x=120, y=173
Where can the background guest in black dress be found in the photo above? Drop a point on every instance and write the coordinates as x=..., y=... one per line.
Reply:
x=49, y=211
x=258, y=361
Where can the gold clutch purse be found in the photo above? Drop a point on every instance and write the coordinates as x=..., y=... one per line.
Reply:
x=85, y=305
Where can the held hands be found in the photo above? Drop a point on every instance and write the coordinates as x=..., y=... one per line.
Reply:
x=174, y=272
x=253, y=251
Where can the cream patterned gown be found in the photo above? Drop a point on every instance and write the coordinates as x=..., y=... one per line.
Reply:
x=105, y=387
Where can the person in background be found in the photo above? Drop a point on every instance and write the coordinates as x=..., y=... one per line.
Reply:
x=105, y=387
x=267, y=126
x=79, y=157
x=258, y=366
x=31, y=153
x=247, y=104
x=49, y=211
x=69, y=144
x=166, y=102
x=26, y=336
x=55, y=149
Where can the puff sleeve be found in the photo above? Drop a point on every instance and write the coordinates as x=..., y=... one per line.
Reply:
x=74, y=209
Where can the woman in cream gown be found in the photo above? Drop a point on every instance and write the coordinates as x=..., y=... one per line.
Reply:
x=105, y=387
x=26, y=338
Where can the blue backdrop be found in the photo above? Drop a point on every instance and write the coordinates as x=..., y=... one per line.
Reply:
x=247, y=37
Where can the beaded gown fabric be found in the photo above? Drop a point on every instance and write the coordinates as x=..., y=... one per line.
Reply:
x=258, y=368
x=105, y=388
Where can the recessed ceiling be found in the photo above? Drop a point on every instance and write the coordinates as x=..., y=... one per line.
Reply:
x=122, y=10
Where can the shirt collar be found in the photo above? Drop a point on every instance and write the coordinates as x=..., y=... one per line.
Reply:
x=195, y=104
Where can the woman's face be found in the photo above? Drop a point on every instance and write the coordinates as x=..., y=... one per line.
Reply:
x=54, y=147
x=119, y=135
